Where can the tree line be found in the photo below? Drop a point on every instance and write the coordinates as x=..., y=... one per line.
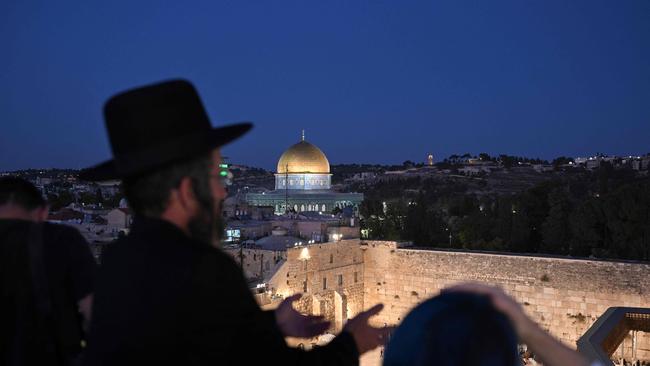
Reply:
x=602, y=214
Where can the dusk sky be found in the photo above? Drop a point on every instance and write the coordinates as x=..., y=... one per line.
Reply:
x=370, y=82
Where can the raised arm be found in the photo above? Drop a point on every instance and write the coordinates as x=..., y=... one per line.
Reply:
x=551, y=351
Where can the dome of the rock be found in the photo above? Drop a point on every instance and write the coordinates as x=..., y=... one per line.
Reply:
x=303, y=157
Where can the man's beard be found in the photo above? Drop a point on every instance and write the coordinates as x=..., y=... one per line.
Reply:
x=207, y=226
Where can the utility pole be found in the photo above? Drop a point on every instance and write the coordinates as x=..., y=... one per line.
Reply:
x=262, y=267
x=241, y=256
x=286, y=188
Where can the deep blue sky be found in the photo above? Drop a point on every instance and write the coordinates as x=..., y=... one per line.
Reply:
x=378, y=82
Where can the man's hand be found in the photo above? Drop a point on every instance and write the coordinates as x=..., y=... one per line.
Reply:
x=366, y=336
x=551, y=351
x=294, y=324
x=524, y=326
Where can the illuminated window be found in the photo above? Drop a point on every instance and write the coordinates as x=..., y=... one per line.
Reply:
x=323, y=209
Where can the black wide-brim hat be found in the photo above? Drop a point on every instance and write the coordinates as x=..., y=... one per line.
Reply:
x=157, y=125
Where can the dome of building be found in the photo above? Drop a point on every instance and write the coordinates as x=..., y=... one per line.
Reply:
x=303, y=157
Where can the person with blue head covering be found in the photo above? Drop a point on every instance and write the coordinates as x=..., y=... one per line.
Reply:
x=472, y=324
x=454, y=329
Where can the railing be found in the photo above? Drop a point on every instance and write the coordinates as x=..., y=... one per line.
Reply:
x=602, y=339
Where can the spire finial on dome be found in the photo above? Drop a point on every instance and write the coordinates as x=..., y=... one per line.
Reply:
x=303, y=135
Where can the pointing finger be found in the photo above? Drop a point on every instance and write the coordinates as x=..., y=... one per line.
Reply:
x=293, y=298
x=314, y=318
x=370, y=312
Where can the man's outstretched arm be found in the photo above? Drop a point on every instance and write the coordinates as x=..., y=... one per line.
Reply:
x=229, y=327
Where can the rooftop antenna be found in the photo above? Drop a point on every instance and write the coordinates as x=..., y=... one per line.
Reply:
x=303, y=135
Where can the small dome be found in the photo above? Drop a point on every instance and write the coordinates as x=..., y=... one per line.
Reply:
x=303, y=157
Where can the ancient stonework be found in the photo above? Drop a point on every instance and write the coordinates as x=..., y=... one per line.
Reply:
x=565, y=296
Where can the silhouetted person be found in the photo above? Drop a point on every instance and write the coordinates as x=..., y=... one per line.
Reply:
x=166, y=294
x=472, y=325
x=46, y=281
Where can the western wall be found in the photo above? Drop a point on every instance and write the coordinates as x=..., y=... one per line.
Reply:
x=565, y=296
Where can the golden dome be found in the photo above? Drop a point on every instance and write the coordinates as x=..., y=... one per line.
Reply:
x=303, y=157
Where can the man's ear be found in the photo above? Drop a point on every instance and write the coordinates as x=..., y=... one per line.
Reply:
x=186, y=196
x=40, y=214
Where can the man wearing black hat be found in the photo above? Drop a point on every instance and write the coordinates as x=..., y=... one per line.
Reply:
x=166, y=294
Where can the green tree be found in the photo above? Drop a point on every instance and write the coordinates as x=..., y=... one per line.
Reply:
x=99, y=197
x=484, y=157
x=556, y=232
x=589, y=234
x=62, y=199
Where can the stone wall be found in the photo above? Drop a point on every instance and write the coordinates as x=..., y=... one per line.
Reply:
x=565, y=296
x=333, y=273
x=257, y=263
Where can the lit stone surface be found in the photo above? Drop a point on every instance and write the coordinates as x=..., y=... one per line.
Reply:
x=565, y=296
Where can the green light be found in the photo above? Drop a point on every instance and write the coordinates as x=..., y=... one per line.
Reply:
x=225, y=166
x=223, y=173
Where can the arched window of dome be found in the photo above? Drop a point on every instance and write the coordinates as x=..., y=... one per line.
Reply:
x=323, y=209
x=302, y=208
x=295, y=208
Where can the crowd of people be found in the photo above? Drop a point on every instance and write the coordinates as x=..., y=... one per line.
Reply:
x=167, y=295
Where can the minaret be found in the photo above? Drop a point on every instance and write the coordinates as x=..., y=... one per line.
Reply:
x=303, y=135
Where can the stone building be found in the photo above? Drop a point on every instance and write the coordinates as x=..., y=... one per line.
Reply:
x=303, y=183
x=119, y=219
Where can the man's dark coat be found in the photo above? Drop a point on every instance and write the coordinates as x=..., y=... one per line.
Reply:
x=165, y=299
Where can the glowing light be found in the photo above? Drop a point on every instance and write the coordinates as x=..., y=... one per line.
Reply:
x=304, y=254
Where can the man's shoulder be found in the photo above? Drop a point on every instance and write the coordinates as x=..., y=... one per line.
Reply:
x=60, y=229
x=218, y=256
x=177, y=249
x=51, y=231
x=8, y=226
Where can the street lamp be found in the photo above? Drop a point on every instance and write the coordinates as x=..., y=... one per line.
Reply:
x=304, y=257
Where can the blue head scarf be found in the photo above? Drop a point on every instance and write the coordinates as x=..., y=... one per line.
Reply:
x=454, y=329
